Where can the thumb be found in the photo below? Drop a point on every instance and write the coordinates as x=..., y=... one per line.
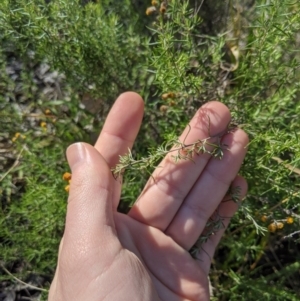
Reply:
x=89, y=218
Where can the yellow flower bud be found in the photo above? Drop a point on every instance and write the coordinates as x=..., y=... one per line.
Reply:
x=67, y=188
x=67, y=176
x=264, y=218
x=272, y=227
x=15, y=137
x=280, y=225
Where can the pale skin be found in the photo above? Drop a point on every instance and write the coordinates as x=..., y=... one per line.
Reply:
x=144, y=255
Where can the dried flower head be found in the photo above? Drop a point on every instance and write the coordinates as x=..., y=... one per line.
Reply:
x=264, y=218
x=163, y=8
x=150, y=10
x=163, y=109
x=168, y=95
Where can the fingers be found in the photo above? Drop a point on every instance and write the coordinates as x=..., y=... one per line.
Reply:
x=119, y=132
x=89, y=220
x=171, y=182
x=208, y=191
x=221, y=217
x=121, y=127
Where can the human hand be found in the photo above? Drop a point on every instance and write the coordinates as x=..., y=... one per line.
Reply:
x=144, y=255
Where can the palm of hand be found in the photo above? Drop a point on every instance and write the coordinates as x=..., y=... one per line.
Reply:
x=174, y=274
x=106, y=255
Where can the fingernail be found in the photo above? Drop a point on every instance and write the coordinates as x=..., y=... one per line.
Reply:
x=76, y=153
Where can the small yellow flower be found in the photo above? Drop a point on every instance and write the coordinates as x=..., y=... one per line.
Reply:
x=43, y=124
x=15, y=137
x=289, y=220
x=150, y=10
x=67, y=176
x=280, y=225
x=47, y=112
x=154, y=2
x=67, y=188
x=264, y=218
x=272, y=227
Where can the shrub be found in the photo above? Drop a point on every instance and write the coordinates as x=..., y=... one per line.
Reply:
x=249, y=60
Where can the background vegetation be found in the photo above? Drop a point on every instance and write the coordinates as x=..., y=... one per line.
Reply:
x=63, y=63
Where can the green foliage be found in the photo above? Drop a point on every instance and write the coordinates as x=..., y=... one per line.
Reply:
x=258, y=80
x=87, y=43
x=250, y=63
x=34, y=223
